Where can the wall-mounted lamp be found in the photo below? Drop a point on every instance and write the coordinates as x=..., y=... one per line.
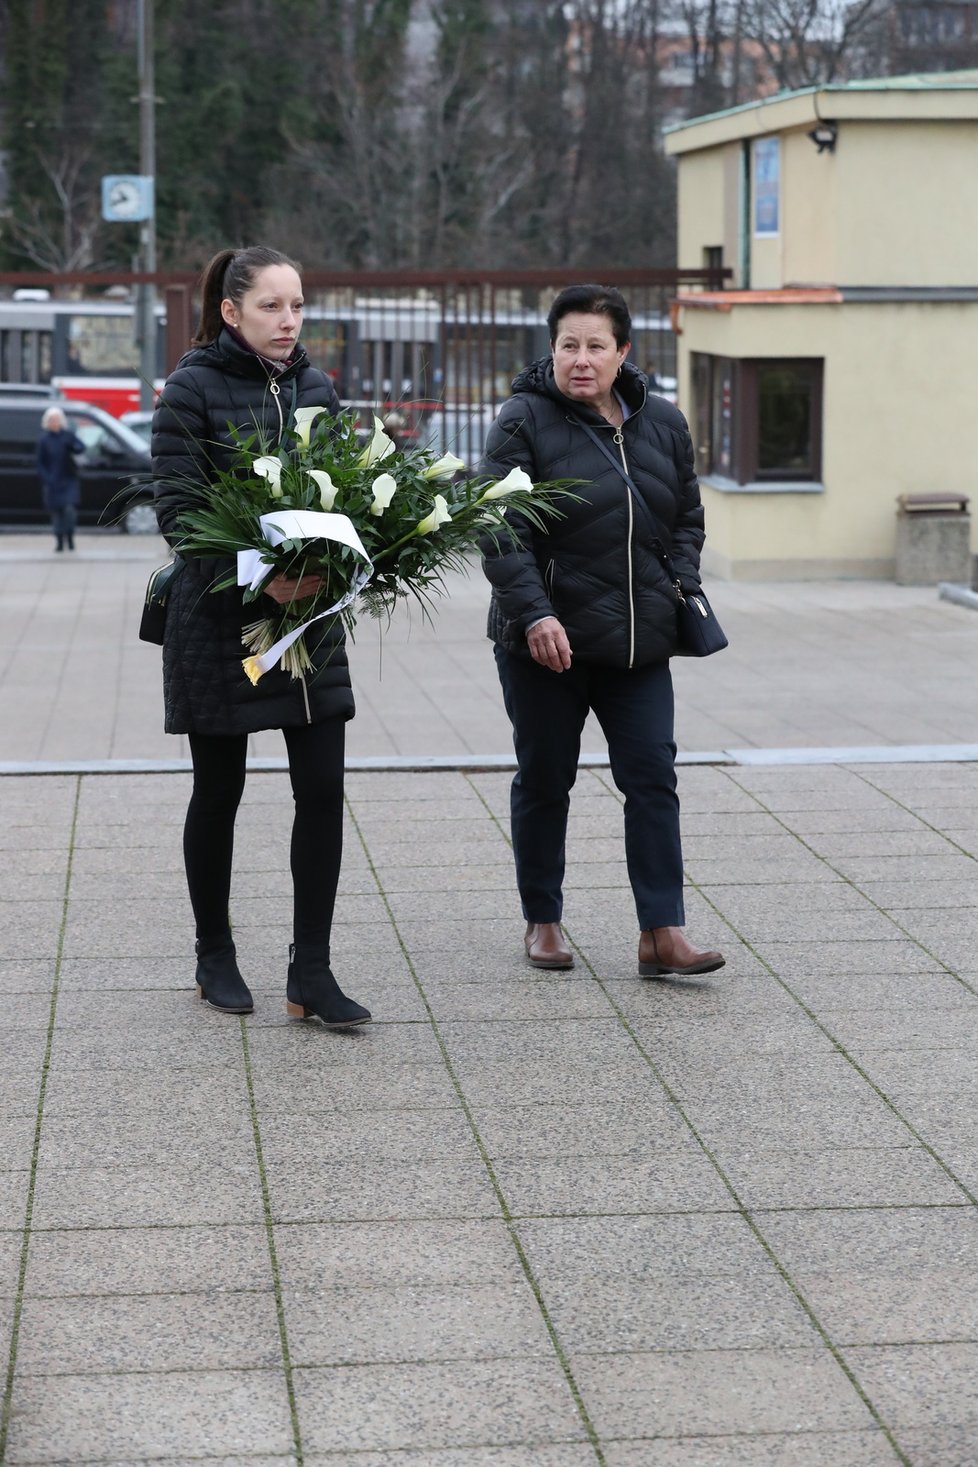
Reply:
x=823, y=135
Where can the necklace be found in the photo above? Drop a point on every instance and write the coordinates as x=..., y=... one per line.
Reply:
x=613, y=415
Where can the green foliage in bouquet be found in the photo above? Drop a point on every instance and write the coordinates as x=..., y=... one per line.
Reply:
x=412, y=516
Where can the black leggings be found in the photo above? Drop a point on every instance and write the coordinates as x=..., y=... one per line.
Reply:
x=316, y=771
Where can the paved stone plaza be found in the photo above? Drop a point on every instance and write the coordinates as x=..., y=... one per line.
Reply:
x=522, y=1219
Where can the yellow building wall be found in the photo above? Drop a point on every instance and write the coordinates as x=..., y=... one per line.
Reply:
x=708, y=192
x=898, y=417
x=906, y=203
x=810, y=213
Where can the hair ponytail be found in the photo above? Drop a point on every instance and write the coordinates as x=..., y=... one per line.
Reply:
x=228, y=276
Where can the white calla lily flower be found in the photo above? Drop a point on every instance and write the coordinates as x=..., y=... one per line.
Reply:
x=439, y=516
x=444, y=467
x=384, y=487
x=304, y=419
x=327, y=489
x=516, y=480
x=378, y=448
x=271, y=469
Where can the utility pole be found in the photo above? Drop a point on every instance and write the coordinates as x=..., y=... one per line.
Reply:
x=146, y=294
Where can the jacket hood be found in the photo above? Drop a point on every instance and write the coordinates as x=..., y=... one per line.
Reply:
x=538, y=378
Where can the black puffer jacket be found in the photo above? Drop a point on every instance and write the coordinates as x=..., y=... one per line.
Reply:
x=595, y=569
x=204, y=685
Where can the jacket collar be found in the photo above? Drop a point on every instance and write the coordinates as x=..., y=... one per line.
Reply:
x=538, y=378
x=234, y=356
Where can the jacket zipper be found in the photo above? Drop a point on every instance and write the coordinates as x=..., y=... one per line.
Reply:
x=305, y=696
x=620, y=440
x=275, y=390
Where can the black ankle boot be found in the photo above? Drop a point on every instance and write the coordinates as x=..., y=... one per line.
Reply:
x=218, y=981
x=312, y=990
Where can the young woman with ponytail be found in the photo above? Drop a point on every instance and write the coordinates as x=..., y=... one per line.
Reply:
x=246, y=369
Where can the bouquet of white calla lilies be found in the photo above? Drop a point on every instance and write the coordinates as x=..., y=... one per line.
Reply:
x=366, y=539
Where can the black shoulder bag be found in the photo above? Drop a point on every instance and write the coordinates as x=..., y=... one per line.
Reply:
x=153, y=618
x=699, y=633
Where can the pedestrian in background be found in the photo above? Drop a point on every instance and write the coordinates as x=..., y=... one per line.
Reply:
x=58, y=472
x=247, y=372
x=583, y=616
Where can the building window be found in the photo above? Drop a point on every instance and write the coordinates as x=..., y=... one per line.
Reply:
x=758, y=421
x=767, y=186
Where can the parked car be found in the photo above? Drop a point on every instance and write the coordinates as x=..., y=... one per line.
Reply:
x=27, y=389
x=114, y=470
x=140, y=422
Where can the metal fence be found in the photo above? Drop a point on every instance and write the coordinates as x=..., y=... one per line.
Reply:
x=437, y=350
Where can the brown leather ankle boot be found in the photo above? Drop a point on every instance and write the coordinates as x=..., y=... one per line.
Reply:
x=664, y=950
x=545, y=946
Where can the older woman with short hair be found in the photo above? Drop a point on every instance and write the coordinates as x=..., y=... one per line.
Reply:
x=58, y=473
x=583, y=616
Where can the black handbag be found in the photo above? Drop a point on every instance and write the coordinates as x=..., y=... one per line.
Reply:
x=698, y=631
x=153, y=619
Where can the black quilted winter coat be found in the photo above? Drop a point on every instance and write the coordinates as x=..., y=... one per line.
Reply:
x=205, y=688
x=595, y=569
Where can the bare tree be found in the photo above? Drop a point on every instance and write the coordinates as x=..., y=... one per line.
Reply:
x=807, y=42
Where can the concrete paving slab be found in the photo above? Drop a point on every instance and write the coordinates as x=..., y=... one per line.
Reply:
x=434, y=1253
x=350, y=1325
x=97, y=1139
x=685, y=1393
x=160, y=1092
x=939, y=1446
x=516, y=997
x=901, y=1176
x=795, y=1449
x=148, y=1260
x=471, y=1403
x=645, y=1247
x=288, y=1460
x=878, y=1309
x=135, y=1417
x=785, y=1122
x=164, y=1194
x=582, y=1125
x=652, y=1180
x=526, y=1082
x=544, y=1455
x=11, y=1247
x=884, y=992
x=370, y=1190
x=284, y=1090
x=328, y=1138
x=940, y=1030
x=148, y=1332
x=920, y=1385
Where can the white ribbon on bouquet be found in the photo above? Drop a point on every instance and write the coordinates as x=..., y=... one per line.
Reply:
x=302, y=524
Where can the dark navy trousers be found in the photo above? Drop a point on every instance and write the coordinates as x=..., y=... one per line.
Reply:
x=635, y=709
